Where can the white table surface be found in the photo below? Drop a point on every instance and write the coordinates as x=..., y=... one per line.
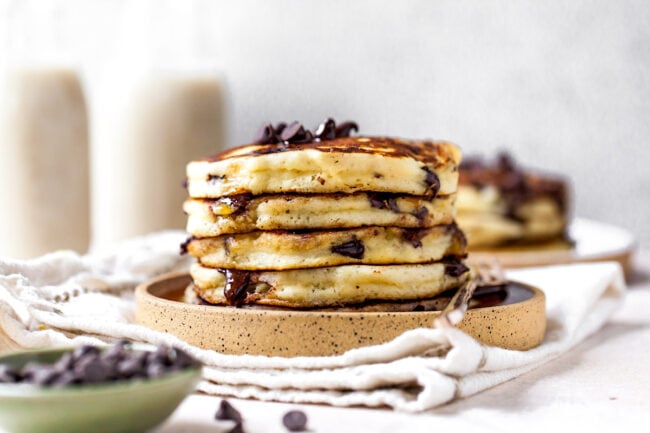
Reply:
x=601, y=385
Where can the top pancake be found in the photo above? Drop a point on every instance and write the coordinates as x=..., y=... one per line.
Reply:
x=344, y=165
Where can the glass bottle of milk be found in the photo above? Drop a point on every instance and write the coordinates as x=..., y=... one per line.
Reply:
x=43, y=163
x=158, y=107
x=44, y=191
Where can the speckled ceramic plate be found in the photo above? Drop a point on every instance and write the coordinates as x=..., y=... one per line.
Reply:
x=517, y=321
x=593, y=242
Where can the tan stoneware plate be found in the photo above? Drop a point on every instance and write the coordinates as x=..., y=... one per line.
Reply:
x=592, y=242
x=516, y=322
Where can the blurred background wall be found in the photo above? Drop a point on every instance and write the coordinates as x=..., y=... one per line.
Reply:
x=564, y=85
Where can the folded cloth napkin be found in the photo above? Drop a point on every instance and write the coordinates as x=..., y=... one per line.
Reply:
x=66, y=299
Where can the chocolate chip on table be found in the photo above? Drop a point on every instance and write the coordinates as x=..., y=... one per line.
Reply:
x=226, y=411
x=295, y=420
x=353, y=248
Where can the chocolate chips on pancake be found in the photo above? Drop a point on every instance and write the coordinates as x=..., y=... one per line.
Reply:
x=312, y=218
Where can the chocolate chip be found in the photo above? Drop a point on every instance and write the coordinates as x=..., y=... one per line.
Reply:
x=84, y=351
x=236, y=286
x=345, y=128
x=92, y=371
x=182, y=359
x=9, y=374
x=155, y=370
x=65, y=362
x=215, y=177
x=326, y=130
x=295, y=133
x=353, y=248
x=295, y=420
x=117, y=351
x=432, y=181
x=414, y=236
x=279, y=128
x=265, y=135
x=421, y=214
x=238, y=202
x=44, y=375
x=383, y=201
x=184, y=246
x=454, y=267
x=131, y=366
x=66, y=378
x=227, y=412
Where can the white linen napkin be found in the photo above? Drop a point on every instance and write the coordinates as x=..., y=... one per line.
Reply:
x=66, y=299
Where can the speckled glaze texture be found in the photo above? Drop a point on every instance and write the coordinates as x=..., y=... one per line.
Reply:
x=519, y=326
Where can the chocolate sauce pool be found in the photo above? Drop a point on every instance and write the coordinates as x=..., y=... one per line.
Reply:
x=487, y=297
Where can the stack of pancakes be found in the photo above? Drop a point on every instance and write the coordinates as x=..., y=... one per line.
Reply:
x=500, y=204
x=324, y=220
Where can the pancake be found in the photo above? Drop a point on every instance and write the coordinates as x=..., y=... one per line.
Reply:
x=242, y=214
x=499, y=204
x=344, y=164
x=280, y=250
x=330, y=286
x=485, y=221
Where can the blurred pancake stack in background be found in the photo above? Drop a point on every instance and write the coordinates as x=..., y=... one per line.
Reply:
x=500, y=204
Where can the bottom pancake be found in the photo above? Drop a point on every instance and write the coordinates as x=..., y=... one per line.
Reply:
x=328, y=287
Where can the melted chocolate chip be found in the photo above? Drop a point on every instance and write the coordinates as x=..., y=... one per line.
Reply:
x=238, y=202
x=454, y=267
x=215, y=177
x=185, y=245
x=236, y=286
x=345, y=128
x=432, y=181
x=326, y=130
x=414, y=236
x=383, y=201
x=353, y=248
x=421, y=214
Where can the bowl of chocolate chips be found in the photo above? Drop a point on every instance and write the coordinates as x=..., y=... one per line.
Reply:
x=119, y=388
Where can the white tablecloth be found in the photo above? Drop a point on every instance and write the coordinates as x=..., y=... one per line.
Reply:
x=601, y=385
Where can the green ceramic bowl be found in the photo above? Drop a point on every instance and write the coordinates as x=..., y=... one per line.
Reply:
x=116, y=407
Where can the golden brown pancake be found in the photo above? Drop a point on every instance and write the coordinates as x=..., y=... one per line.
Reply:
x=242, y=214
x=280, y=250
x=329, y=286
x=346, y=164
